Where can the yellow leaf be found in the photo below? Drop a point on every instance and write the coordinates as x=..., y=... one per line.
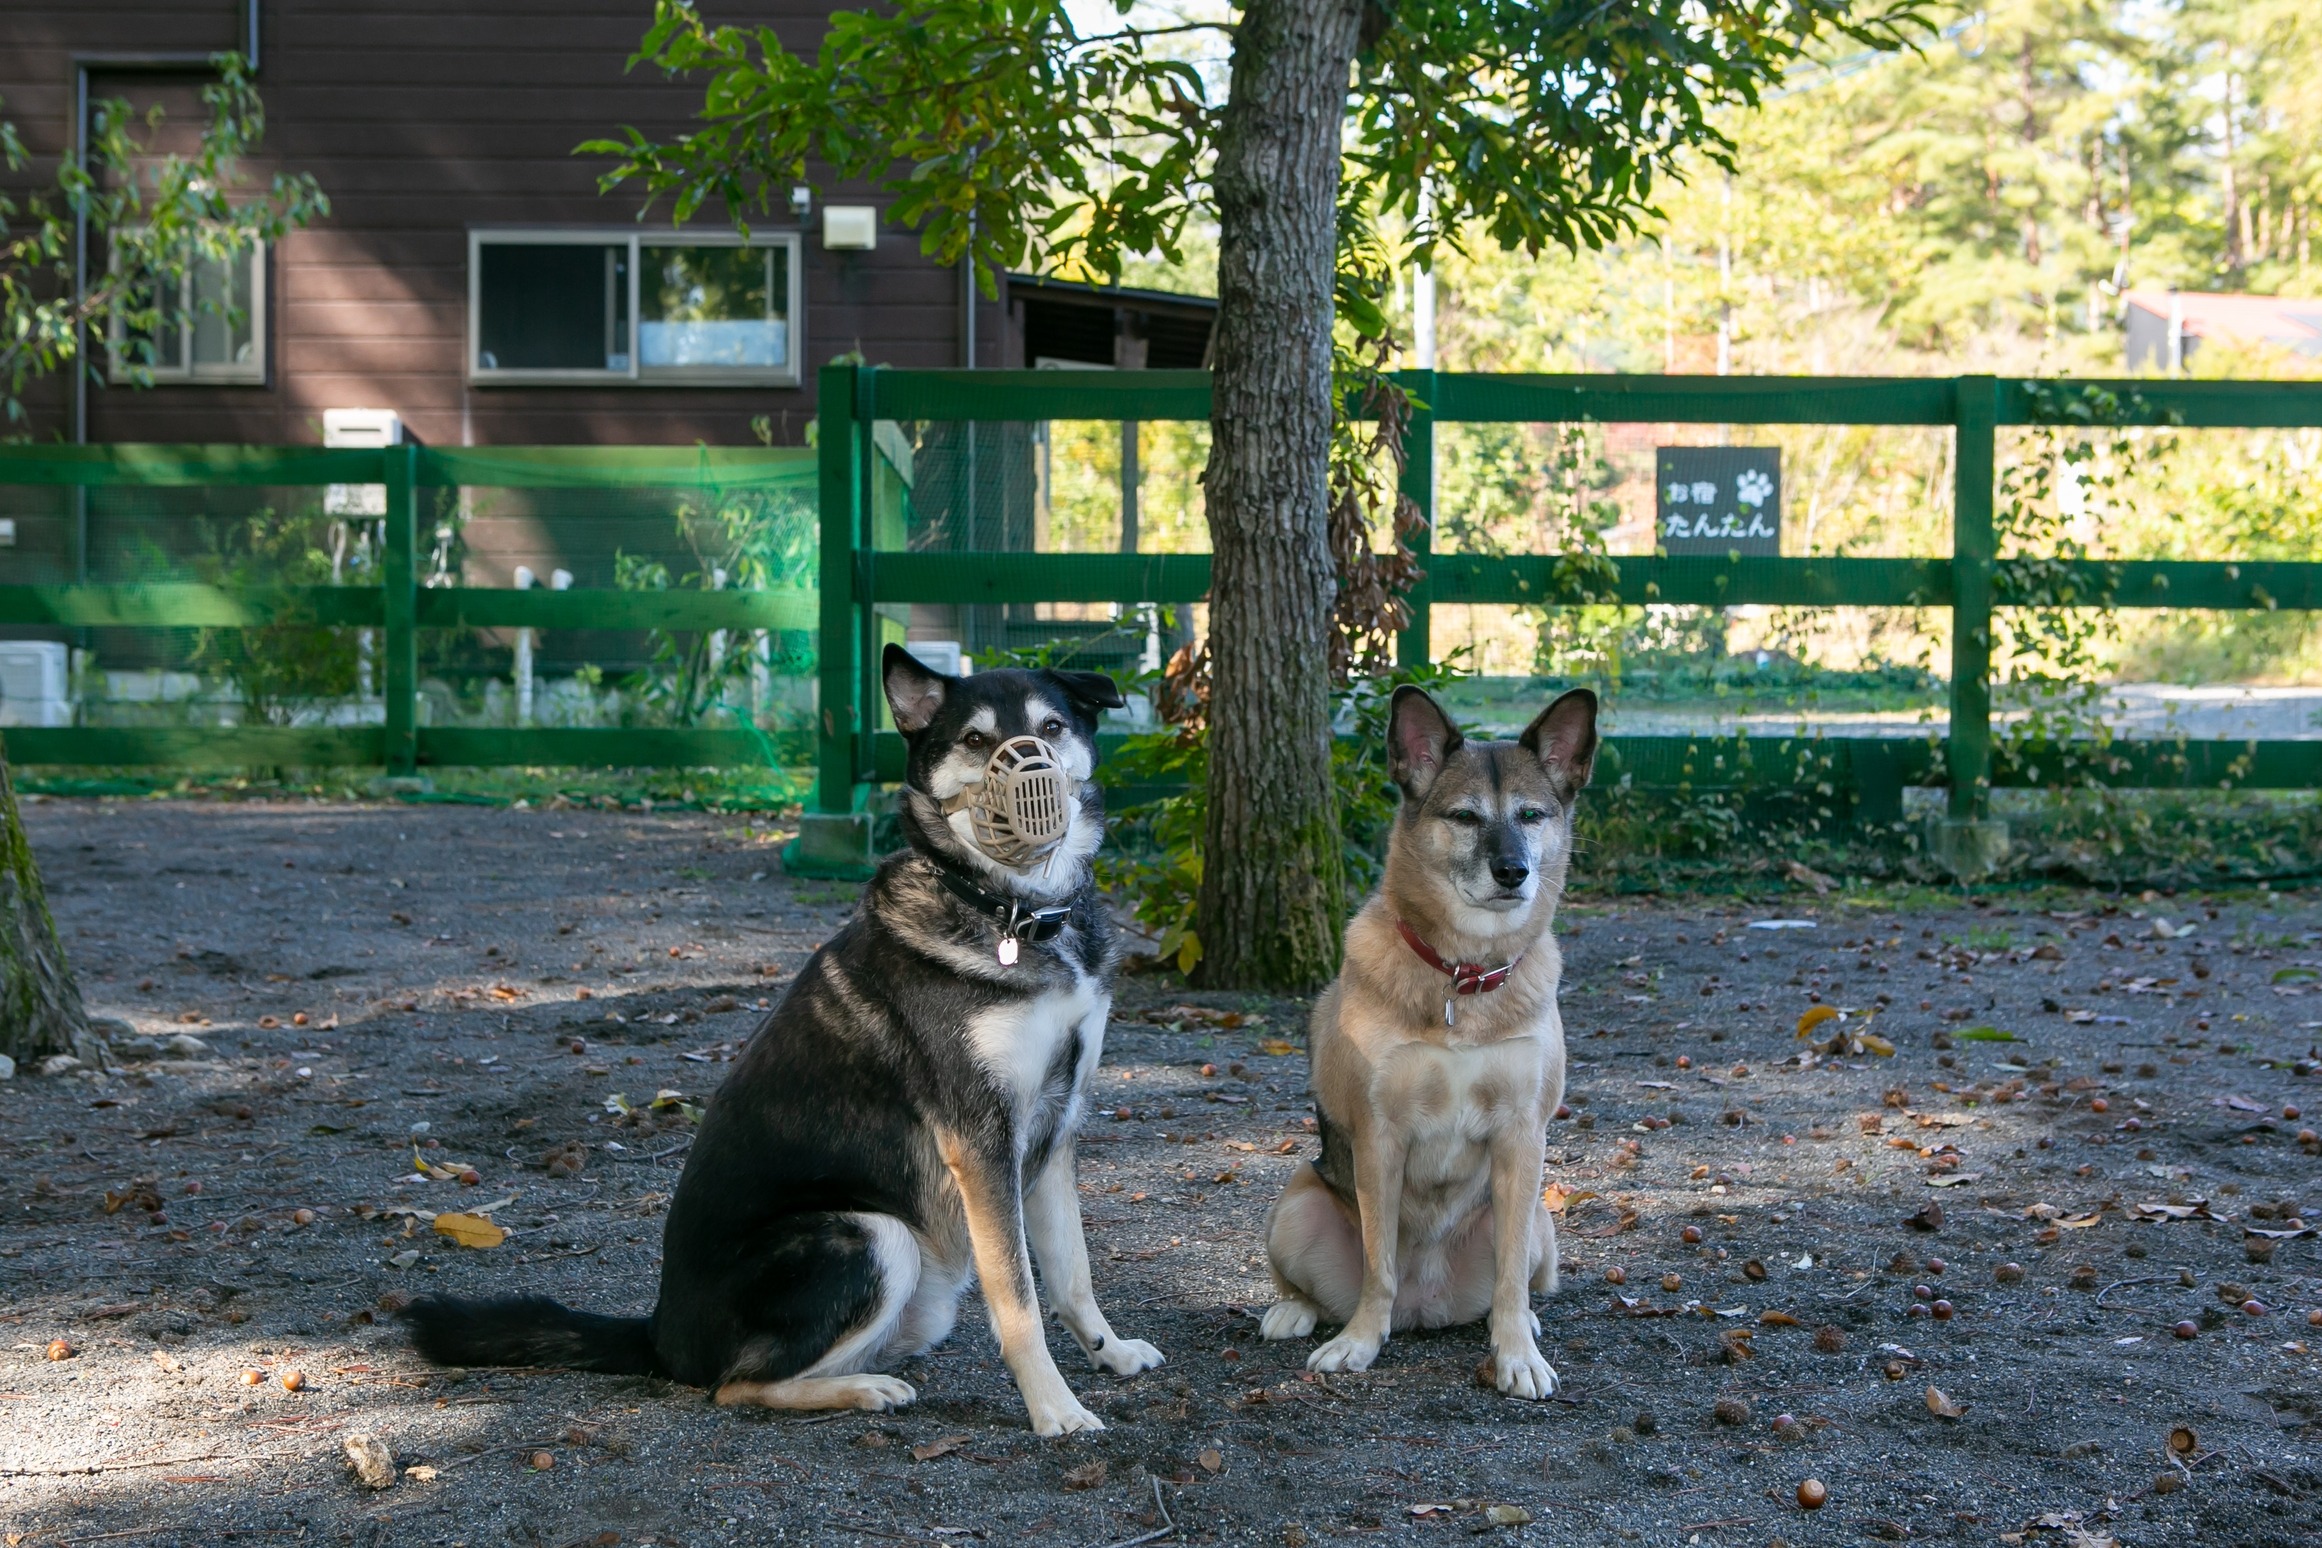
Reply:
x=2082, y=1222
x=1558, y=1198
x=470, y=1230
x=1941, y=1405
x=1276, y=1047
x=1814, y=1018
x=1877, y=1045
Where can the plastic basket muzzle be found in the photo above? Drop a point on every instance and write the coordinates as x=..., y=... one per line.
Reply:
x=1022, y=808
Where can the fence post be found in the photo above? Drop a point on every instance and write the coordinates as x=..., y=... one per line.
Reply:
x=1966, y=841
x=1413, y=646
x=834, y=838
x=399, y=577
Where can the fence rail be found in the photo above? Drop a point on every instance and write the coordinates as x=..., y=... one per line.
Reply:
x=399, y=606
x=858, y=575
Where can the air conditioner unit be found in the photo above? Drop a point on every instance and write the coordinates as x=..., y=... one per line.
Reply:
x=35, y=684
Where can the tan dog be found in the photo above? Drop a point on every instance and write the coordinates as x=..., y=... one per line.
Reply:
x=1438, y=1057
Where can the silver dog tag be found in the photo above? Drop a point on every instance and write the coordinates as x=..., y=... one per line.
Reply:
x=1007, y=951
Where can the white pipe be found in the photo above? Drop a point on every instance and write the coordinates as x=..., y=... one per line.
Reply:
x=524, y=579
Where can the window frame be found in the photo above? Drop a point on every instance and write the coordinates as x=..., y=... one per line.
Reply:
x=638, y=373
x=119, y=368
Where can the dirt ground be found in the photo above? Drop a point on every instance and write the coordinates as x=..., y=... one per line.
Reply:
x=486, y=990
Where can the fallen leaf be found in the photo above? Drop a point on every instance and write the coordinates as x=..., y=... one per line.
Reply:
x=1276, y=1047
x=938, y=1448
x=1556, y=1198
x=2197, y=1210
x=1088, y=1475
x=1954, y=1179
x=1939, y=1404
x=1211, y=1460
x=469, y=1230
x=2082, y=1222
x=1507, y=1515
x=1814, y=1018
x=2242, y=1104
x=1987, y=1035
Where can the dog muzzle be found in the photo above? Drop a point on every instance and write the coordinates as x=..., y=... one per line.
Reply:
x=1022, y=807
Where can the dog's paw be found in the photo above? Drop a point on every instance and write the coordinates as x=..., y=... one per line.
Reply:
x=1290, y=1317
x=1533, y=1318
x=1347, y=1352
x=1523, y=1373
x=1125, y=1356
x=1067, y=1417
x=877, y=1394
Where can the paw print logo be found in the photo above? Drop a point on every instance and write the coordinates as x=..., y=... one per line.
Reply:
x=1752, y=488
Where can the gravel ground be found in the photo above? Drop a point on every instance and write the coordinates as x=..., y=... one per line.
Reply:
x=478, y=984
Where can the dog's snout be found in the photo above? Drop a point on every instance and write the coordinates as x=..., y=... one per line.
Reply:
x=1510, y=874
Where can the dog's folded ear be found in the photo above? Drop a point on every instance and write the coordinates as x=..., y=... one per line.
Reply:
x=1091, y=691
x=1563, y=738
x=1419, y=738
x=914, y=690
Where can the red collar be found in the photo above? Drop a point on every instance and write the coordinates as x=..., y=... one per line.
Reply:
x=1466, y=977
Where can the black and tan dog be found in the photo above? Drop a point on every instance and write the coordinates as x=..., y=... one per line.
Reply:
x=1438, y=1057
x=904, y=1119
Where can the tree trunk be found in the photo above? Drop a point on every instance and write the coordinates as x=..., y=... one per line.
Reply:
x=1273, y=901
x=40, y=1004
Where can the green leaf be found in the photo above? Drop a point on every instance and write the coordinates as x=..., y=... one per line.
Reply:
x=1988, y=1035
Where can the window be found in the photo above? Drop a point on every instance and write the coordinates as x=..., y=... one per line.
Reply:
x=208, y=325
x=584, y=307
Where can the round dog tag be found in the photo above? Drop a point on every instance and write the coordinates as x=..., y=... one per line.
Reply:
x=1007, y=951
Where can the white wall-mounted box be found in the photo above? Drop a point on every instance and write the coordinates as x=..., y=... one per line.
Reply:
x=359, y=429
x=850, y=227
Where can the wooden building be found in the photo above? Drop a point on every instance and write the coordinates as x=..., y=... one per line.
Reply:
x=472, y=280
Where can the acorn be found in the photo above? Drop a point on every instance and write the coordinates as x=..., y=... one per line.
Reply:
x=1812, y=1495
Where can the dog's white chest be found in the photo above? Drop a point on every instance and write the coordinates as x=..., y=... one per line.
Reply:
x=1019, y=1042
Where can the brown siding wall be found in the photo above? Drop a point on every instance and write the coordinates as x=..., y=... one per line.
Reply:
x=422, y=119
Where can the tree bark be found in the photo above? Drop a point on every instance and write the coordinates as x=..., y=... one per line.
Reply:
x=1273, y=901
x=40, y=1004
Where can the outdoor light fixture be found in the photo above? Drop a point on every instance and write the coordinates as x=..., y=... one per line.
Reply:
x=801, y=200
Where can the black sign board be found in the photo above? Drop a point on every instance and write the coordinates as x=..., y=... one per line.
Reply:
x=1719, y=499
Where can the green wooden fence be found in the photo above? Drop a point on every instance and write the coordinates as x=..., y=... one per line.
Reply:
x=399, y=606
x=853, y=754
x=860, y=569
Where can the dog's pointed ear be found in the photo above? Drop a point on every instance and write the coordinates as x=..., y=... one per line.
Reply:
x=1419, y=738
x=1090, y=691
x=1563, y=738
x=915, y=691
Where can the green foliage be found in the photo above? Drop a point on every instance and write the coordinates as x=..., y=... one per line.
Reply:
x=287, y=665
x=1005, y=133
x=157, y=215
x=744, y=540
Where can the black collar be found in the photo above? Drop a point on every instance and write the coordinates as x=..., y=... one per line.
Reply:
x=1017, y=920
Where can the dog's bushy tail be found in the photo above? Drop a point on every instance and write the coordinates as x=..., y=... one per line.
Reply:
x=530, y=1330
